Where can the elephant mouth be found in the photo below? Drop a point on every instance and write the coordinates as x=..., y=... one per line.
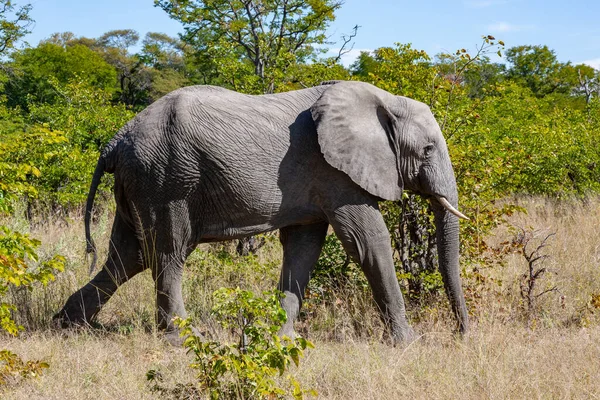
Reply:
x=446, y=204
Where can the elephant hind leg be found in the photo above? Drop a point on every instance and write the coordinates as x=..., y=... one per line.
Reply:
x=302, y=246
x=167, y=272
x=168, y=245
x=125, y=260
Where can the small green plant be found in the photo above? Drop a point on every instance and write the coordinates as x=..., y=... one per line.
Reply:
x=17, y=250
x=248, y=367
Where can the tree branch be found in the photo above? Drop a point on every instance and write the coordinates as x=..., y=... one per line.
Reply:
x=282, y=26
x=258, y=67
x=347, y=39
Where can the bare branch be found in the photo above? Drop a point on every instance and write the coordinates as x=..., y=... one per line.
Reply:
x=282, y=26
x=459, y=72
x=553, y=289
x=533, y=274
x=347, y=39
x=258, y=61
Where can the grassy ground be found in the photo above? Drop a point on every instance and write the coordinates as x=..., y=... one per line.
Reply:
x=552, y=353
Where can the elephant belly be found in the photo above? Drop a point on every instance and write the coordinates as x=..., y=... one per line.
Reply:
x=248, y=193
x=240, y=216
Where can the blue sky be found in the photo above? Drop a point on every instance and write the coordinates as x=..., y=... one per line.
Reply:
x=571, y=29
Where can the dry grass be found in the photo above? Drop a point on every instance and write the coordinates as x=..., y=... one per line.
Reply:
x=573, y=262
x=503, y=357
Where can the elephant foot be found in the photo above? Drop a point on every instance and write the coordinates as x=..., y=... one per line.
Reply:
x=65, y=319
x=81, y=307
x=289, y=332
x=403, y=337
x=174, y=338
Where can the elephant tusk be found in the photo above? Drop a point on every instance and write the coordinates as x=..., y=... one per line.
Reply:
x=449, y=207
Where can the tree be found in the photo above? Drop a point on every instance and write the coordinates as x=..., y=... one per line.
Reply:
x=159, y=68
x=168, y=62
x=400, y=70
x=251, y=37
x=537, y=68
x=31, y=69
x=585, y=82
x=364, y=64
x=487, y=75
x=134, y=80
x=14, y=24
x=162, y=51
x=121, y=39
x=13, y=29
x=65, y=39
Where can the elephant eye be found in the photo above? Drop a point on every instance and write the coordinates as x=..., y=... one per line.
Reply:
x=428, y=149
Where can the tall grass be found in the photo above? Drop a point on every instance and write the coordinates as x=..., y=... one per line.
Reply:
x=509, y=353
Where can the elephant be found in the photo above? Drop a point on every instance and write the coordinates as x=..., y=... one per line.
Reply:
x=205, y=164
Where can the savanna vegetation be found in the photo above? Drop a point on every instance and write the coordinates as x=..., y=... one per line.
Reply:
x=523, y=137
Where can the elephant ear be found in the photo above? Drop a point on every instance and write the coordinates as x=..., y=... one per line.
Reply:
x=357, y=133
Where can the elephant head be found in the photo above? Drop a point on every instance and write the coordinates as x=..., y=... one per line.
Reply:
x=386, y=144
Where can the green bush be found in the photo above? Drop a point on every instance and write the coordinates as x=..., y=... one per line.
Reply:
x=17, y=253
x=16, y=250
x=29, y=72
x=54, y=151
x=85, y=113
x=19, y=263
x=246, y=368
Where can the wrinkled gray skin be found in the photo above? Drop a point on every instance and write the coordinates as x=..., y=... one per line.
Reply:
x=206, y=164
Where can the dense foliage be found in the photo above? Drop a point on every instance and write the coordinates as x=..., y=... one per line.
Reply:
x=20, y=266
x=251, y=45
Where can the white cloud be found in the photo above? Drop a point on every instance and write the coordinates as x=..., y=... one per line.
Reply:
x=484, y=3
x=503, y=27
x=593, y=63
x=349, y=57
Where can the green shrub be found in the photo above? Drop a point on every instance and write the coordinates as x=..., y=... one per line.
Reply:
x=19, y=263
x=85, y=113
x=17, y=251
x=246, y=368
x=50, y=156
x=28, y=76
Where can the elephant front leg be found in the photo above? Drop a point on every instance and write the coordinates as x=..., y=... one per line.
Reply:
x=364, y=235
x=302, y=246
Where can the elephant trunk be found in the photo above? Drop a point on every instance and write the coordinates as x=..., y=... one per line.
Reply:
x=448, y=250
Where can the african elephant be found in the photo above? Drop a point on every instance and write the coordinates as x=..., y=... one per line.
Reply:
x=205, y=164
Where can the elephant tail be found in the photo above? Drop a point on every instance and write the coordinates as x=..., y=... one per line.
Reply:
x=91, y=247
